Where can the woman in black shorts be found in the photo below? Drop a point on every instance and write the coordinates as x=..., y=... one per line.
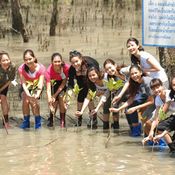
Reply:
x=78, y=71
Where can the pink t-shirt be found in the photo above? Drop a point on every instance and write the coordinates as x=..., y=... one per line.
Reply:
x=52, y=75
x=40, y=70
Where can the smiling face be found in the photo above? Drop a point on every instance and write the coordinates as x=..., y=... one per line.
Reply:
x=29, y=60
x=136, y=74
x=57, y=62
x=158, y=90
x=93, y=76
x=110, y=69
x=76, y=63
x=5, y=62
x=132, y=47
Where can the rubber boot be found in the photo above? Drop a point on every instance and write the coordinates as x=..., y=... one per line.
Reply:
x=172, y=147
x=62, y=120
x=79, y=121
x=115, y=125
x=26, y=122
x=136, y=130
x=173, y=137
x=162, y=142
x=50, y=120
x=105, y=126
x=94, y=122
x=37, y=122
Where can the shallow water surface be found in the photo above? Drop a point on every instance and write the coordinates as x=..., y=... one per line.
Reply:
x=99, y=31
x=82, y=151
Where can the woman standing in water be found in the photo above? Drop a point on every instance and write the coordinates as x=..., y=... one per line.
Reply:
x=32, y=79
x=139, y=97
x=7, y=75
x=78, y=71
x=149, y=64
x=56, y=79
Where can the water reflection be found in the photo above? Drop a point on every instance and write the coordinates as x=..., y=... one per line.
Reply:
x=70, y=152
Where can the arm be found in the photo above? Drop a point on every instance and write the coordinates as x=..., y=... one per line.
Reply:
x=153, y=126
x=85, y=104
x=48, y=87
x=125, y=105
x=11, y=76
x=40, y=86
x=118, y=97
x=5, y=85
x=150, y=101
x=159, y=136
x=23, y=83
x=154, y=66
x=166, y=106
x=61, y=87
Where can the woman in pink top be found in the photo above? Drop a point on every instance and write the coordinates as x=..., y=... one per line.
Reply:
x=56, y=78
x=32, y=79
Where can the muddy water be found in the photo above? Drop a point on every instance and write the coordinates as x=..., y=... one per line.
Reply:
x=82, y=151
x=61, y=152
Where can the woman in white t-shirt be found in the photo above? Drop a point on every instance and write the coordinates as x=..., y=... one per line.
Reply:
x=149, y=64
x=161, y=102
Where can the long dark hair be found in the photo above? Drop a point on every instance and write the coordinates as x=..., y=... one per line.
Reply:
x=98, y=72
x=3, y=53
x=111, y=61
x=155, y=82
x=75, y=53
x=59, y=55
x=172, y=92
x=134, y=59
x=31, y=53
x=134, y=86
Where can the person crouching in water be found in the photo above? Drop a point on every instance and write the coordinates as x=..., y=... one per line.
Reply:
x=56, y=79
x=31, y=75
x=161, y=123
x=140, y=97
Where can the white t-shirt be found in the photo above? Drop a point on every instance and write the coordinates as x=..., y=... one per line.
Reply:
x=145, y=65
x=159, y=102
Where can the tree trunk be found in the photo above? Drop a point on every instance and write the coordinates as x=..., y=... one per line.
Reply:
x=4, y=1
x=167, y=60
x=53, y=21
x=17, y=21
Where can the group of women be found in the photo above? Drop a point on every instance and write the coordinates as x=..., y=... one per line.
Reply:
x=141, y=89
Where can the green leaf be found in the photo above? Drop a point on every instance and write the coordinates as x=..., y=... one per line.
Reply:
x=162, y=114
x=111, y=84
x=91, y=95
x=76, y=89
x=32, y=85
x=53, y=82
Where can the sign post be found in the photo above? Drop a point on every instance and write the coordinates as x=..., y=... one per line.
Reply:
x=158, y=23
